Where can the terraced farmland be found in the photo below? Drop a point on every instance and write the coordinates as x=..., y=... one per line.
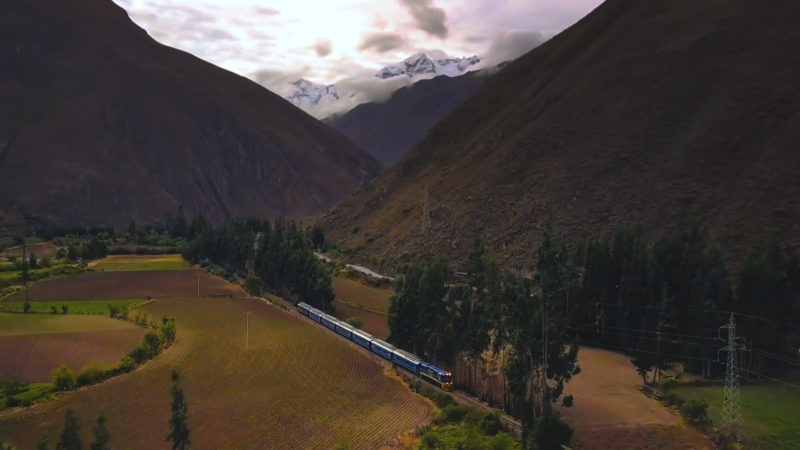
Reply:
x=129, y=284
x=131, y=263
x=361, y=296
x=296, y=386
x=370, y=304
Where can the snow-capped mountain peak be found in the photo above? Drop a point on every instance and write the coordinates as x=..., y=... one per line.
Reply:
x=322, y=100
x=305, y=92
x=421, y=65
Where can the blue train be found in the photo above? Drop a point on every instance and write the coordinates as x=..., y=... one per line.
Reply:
x=437, y=376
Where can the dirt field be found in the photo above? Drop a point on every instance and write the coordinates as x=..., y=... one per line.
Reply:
x=374, y=324
x=38, y=249
x=610, y=413
x=355, y=293
x=32, y=345
x=115, y=285
x=116, y=263
x=296, y=386
x=32, y=358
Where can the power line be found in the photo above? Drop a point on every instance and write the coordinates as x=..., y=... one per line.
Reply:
x=648, y=331
x=796, y=386
x=712, y=311
x=599, y=344
x=774, y=356
x=667, y=339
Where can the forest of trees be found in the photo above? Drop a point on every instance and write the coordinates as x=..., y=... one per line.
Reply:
x=660, y=300
x=523, y=320
x=278, y=255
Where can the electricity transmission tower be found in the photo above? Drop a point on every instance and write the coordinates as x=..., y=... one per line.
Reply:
x=731, y=409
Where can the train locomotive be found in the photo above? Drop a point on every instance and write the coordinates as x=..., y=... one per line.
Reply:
x=409, y=361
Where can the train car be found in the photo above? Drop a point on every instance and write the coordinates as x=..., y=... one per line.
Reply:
x=329, y=321
x=345, y=329
x=362, y=338
x=382, y=348
x=315, y=314
x=407, y=360
x=304, y=308
x=436, y=375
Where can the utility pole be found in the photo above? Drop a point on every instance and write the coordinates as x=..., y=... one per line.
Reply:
x=24, y=268
x=247, y=329
x=198, y=285
x=731, y=409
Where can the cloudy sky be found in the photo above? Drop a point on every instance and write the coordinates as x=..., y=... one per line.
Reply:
x=326, y=41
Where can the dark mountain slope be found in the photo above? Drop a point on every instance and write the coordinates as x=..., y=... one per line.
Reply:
x=388, y=130
x=641, y=110
x=101, y=124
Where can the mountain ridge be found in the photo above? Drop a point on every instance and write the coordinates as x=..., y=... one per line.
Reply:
x=105, y=119
x=636, y=115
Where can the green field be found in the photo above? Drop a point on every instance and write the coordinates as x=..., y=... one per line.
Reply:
x=770, y=413
x=24, y=324
x=138, y=263
x=24, y=394
x=73, y=306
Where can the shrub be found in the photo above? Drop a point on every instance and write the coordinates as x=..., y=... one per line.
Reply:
x=551, y=433
x=451, y=414
x=91, y=374
x=440, y=398
x=671, y=398
x=138, y=354
x=113, y=311
x=669, y=383
x=254, y=286
x=354, y=321
x=695, y=411
x=152, y=343
x=126, y=364
x=64, y=309
x=491, y=423
x=168, y=332
x=63, y=379
x=12, y=402
x=26, y=307
x=53, y=309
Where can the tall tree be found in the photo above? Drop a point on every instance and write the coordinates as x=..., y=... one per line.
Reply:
x=179, y=431
x=101, y=435
x=70, y=435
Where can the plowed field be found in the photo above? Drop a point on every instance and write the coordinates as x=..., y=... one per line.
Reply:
x=113, y=285
x=296, y=386
x=32, y=358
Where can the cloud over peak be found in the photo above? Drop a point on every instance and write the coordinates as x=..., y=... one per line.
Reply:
x=382, y=42
x=428, y=17
x=323, y=47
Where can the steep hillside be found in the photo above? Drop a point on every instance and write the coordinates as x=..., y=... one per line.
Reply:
x=388, y=130
x=100, y=124
x=637, y=112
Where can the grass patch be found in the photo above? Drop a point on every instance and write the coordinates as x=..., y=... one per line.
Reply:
x=358, y=295
x=770, y=413
x=459, y=426
x=25, y=324
x=73, y=306
x=14, y=394
x=137, y=263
